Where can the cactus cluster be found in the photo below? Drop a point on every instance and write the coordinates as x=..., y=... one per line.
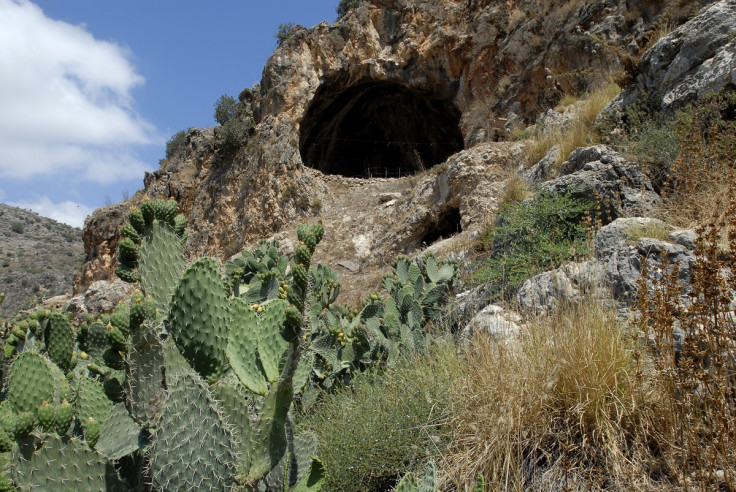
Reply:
x=190, y=384
x=227, y=353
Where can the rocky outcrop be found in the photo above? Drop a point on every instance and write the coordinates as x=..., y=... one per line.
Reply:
x=695, y=59
x=393, y=88
x=621, y=246
x=603, y=176
x=100, y=298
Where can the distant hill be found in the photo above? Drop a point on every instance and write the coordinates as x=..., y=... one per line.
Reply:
x=38, y=258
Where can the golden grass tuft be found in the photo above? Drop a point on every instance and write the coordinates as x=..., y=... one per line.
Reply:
x=566, y=407
x=580, y=131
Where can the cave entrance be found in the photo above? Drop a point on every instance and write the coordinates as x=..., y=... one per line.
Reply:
x=378, y=129
x=447, y=224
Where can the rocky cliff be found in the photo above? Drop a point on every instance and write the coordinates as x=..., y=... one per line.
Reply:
x=388, y=125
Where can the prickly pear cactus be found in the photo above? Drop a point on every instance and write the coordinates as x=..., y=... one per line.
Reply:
x=192, y=447
x=64, y=464
x=200, y=317
x=32, y=380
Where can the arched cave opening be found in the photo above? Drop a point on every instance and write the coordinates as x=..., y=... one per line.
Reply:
x=378, y=129
x=447, y=224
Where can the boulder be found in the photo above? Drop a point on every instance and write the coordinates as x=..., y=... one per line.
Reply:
x=695, y=59
x=495, y=322
x=601, y=174
x=542, y=293
x=101, y=297
x=615, y=271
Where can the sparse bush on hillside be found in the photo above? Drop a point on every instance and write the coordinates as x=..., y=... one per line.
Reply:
x=176, y=143
x=226, y=108
x=531, y=237
x=284, y=32
x=700, y=175
x=17, y=227
x=388, y=422
x=346, y=6
x=693, y=352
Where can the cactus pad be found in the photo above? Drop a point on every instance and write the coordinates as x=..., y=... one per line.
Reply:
x=145, y=379
x=60, y=341
x=33, y=379
x=65, y=465
x=92, y=403
x=192, y=447
x=119, y=436
x=242, y=347
x=199, y=318
x=160, y=264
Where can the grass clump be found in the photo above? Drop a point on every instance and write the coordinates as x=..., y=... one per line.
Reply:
x=531, y=237
x=389, y=422
x=564, y=407
x=579, y=133
x=652, y=229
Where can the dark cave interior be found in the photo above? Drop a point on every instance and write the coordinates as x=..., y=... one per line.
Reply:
x=378, y=129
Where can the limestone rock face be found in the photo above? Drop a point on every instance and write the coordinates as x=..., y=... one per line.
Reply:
x=371, y=105
x=697, y=58
x=602, y=174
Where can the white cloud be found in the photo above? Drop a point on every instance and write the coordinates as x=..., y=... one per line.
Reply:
x=65, y=99
x=66, y=212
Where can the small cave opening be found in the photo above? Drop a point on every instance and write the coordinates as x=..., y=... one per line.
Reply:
x=378, y=129
x=447, y=224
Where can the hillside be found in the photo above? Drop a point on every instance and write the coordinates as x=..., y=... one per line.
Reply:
x=442, y=246
x=39, y=258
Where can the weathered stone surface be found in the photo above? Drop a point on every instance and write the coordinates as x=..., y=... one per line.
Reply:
x=572, y=281
x=101, y=297
x=695, y=59
x=602, y=174
x=495, y=322
x=617, y=235
x=540, y=171
x=615, y=271
x=459, y=64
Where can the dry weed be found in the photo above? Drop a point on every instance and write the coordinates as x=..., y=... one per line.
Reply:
x=695, y=354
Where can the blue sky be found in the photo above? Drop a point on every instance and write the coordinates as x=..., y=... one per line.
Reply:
x=91, y=90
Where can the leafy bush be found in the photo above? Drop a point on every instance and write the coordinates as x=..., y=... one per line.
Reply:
x=17, y=227
x=388, y=422
x=531, y=237
x=233, y=134
x=226, y=108
x=284, y=32
x=346, y=6
x=176, y=143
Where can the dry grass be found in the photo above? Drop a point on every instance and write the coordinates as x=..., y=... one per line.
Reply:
x=564, y=408
x=580, y=131
x=516, y=190
x=653, y=230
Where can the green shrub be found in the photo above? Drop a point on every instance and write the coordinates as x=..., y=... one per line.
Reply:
x=226, y=108
x=388, y=423
x=346, y=6
x=17, y=227
x=233, y=134
x=531, y=237
x=176, y=143
x=284, y=32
